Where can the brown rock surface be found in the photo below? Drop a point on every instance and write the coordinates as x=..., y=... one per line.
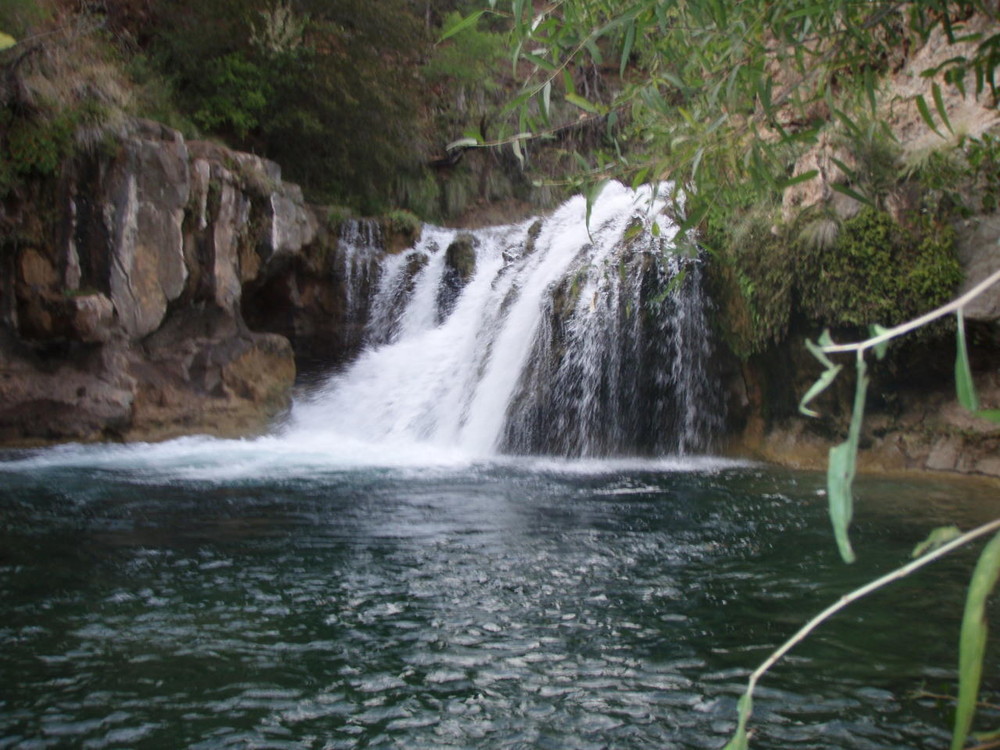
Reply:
x=120, y=317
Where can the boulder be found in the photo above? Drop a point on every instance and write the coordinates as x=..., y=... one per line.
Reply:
x=978, y=244
x=459, y=267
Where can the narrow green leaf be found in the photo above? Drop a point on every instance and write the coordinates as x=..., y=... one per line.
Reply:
x=850, y=173
x=694, y=218
x=717, y=123
x=972, y=642
x=538, y=60
x=880, y=349
x=842, y=468
x=993, y=415
x=516, y=57
x=461, y=25
x=926, y=114
x=870, y=90
x=817, y=349
x=964, y=386
x=731, y=80
x=462, y=143
x=821, y=384
x=940, y=535
x=843, y=189
x=592, y=196
x=627, y=48
x=595, y=52
x=939, y=106
x=946, y=20
x=631, y=231
x=698, y=155
x=798, y=179
x=848, y=123
x=547, y=98
x=6, y=41
x=516, y=148
x=741, y=739
x=764, y=93
x=839, y=481
x=568, y=83
x=578, y=101
x=518, y=8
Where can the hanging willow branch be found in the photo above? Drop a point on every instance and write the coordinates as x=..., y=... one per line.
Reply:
x=741, y=739
x=843, y=457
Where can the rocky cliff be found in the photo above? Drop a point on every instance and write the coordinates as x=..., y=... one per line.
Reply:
x=913, y=419
x=121, y=295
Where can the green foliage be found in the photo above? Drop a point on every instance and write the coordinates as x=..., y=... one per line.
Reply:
x=32, y=147
x=972, y=644
x=232, y=95
x=17, y=17
x=326, y=89
x=715, y=95
x=36, y=147
x=469, y=56
x=869, y=269
x=756, y=282
x=964, y=179
x=880, y=271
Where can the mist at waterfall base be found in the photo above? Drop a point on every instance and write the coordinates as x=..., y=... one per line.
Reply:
x=497, y=528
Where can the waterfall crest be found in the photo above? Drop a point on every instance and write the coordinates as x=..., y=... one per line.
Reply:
x=535, y=338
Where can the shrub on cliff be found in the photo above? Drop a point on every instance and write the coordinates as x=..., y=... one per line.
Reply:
x=881, y=272
x=326, y=89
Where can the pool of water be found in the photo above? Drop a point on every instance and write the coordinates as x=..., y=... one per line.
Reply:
x=209, y=594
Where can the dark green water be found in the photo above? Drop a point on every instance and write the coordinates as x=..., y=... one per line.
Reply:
x=154, y=602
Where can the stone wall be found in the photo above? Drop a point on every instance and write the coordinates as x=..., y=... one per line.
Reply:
x=122, y=287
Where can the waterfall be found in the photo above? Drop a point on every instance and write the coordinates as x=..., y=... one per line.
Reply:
x=536, y=338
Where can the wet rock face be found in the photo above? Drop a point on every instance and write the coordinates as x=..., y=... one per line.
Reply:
x=120, y=312
x=145, y=194
x=459, y=267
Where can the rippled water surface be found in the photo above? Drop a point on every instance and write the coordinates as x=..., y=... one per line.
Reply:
x=189, y=600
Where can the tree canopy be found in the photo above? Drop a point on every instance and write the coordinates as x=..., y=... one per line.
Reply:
x=715, y=96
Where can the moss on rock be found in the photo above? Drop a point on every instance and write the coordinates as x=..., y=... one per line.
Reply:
x=882, y=272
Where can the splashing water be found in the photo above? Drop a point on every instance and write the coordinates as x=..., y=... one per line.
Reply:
x=562, y=341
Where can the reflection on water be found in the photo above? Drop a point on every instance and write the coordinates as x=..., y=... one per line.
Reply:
x=152, y=603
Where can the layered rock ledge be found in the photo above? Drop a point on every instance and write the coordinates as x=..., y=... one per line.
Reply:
x=121, y=293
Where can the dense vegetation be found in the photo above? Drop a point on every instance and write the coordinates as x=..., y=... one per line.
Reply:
x=354, y=104
x=724, y=101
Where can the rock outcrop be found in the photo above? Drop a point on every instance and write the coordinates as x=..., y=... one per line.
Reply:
x=913, y=420
x=122, y=287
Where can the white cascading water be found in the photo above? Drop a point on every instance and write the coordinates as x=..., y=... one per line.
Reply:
x=562, y=341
